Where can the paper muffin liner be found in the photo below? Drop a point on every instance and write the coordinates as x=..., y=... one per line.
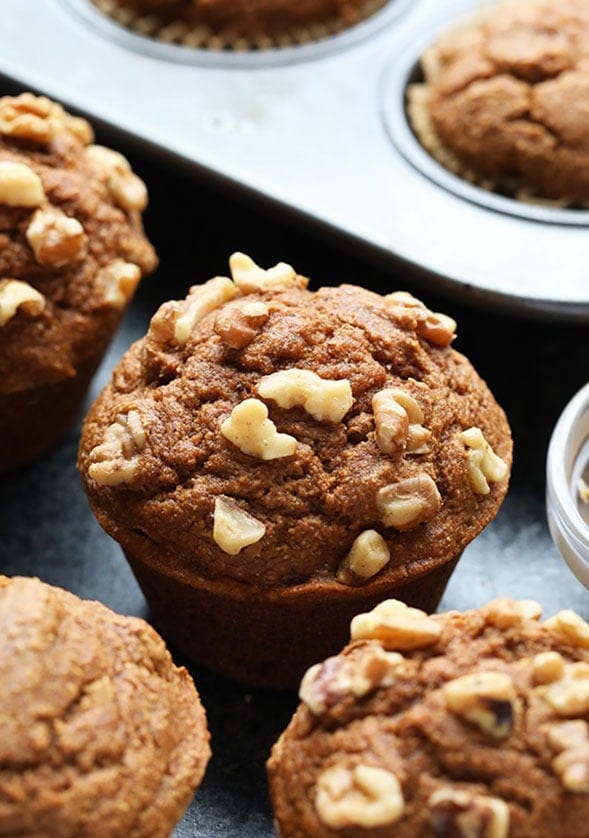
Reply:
x=203, y=37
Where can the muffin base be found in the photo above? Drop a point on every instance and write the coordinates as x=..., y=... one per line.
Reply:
x=204, y=37
x=269, y=638
x=34, y=420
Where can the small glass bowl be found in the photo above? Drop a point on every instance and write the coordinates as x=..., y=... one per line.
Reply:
x=568, y=459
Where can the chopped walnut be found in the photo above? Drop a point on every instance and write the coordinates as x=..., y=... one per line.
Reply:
x=547, y=667
x=174, y=321
x=127, y=189
x=361, y=796
x=15, y=294
x=486, y=699
x=408, y=503
x=38, y=119
x=237, y=326
x=569, y=696
x=396, y=626
x=233, y=527
x=504, y=612
x=326, y=400
x=253, y=433
x=20, y=186
x=397, y=422
x=55, y=238
x=572, y=763
x=484, y=466
x=436, y=328
x=367, y=557
x=249, y=277
x=570, y=627
x=324, y=684
x=119, y=280
x=469, y=815
x=583, y=489
x=115, y=460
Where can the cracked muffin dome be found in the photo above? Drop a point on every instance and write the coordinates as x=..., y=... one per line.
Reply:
x=72, y=251
x=503, y=101
x=472, y=724
x=273, y=460
x=101, y=734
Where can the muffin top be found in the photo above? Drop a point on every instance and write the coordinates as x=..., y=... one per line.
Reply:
x=504, y=98
x=101, y=734
x=473, y=725
x=270, y=435
x=72, y=248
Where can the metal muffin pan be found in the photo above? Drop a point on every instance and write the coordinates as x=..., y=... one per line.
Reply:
x=321, y=130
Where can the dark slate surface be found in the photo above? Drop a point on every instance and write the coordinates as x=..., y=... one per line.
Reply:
x=46, y=528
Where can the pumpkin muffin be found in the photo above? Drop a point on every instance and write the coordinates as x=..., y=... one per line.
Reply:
x=273, y=460
x=72, y=251
x=503, y=101
x=101, y=734
x=459, y=724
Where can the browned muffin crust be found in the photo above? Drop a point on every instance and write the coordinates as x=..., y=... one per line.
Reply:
x=367, y=474
x=70, y=229
x=504, y=99
x=101, y=734
x=461, y=724
x=246, y=19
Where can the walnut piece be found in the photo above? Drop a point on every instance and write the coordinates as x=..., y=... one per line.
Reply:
x=253, y=433
x=233, y=527
x=486, y=699
x=20, y=186
x=397, y=422
x=569, y=626
x=396, y=626
x=174, y=321
x=15, y=294
x=238, y=325
x=119, y=280
x=569, y=696
x=362, y=796
x=436, y=328
x=249, y=277
x=409, y=502
x=115, y=460
x=55, y=238
x=484, y=466
x=326, y=400
x=367, y=557
x=461, y=812
x=38, y=119
x=504, y=612
x=571, y=739
x=128, y=190
x=547, y=667
x=326, y=683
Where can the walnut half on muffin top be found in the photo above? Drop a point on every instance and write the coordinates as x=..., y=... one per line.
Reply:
x=474, y=725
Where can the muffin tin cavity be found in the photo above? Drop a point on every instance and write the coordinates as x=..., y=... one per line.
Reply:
x=401, y=75
x=182, y=42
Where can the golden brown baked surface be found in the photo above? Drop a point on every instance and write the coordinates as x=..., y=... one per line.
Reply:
x=505, y=95
x=250, y=20
x=459, y=724
x=260, y=429
x=72, y=247
x=101, y=734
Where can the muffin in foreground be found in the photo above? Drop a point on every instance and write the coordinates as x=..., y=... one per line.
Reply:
x=471, y=724
x=72, y=250
x=101, y=734
x=274, y=460
x=503, y=100
x=239, y=24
